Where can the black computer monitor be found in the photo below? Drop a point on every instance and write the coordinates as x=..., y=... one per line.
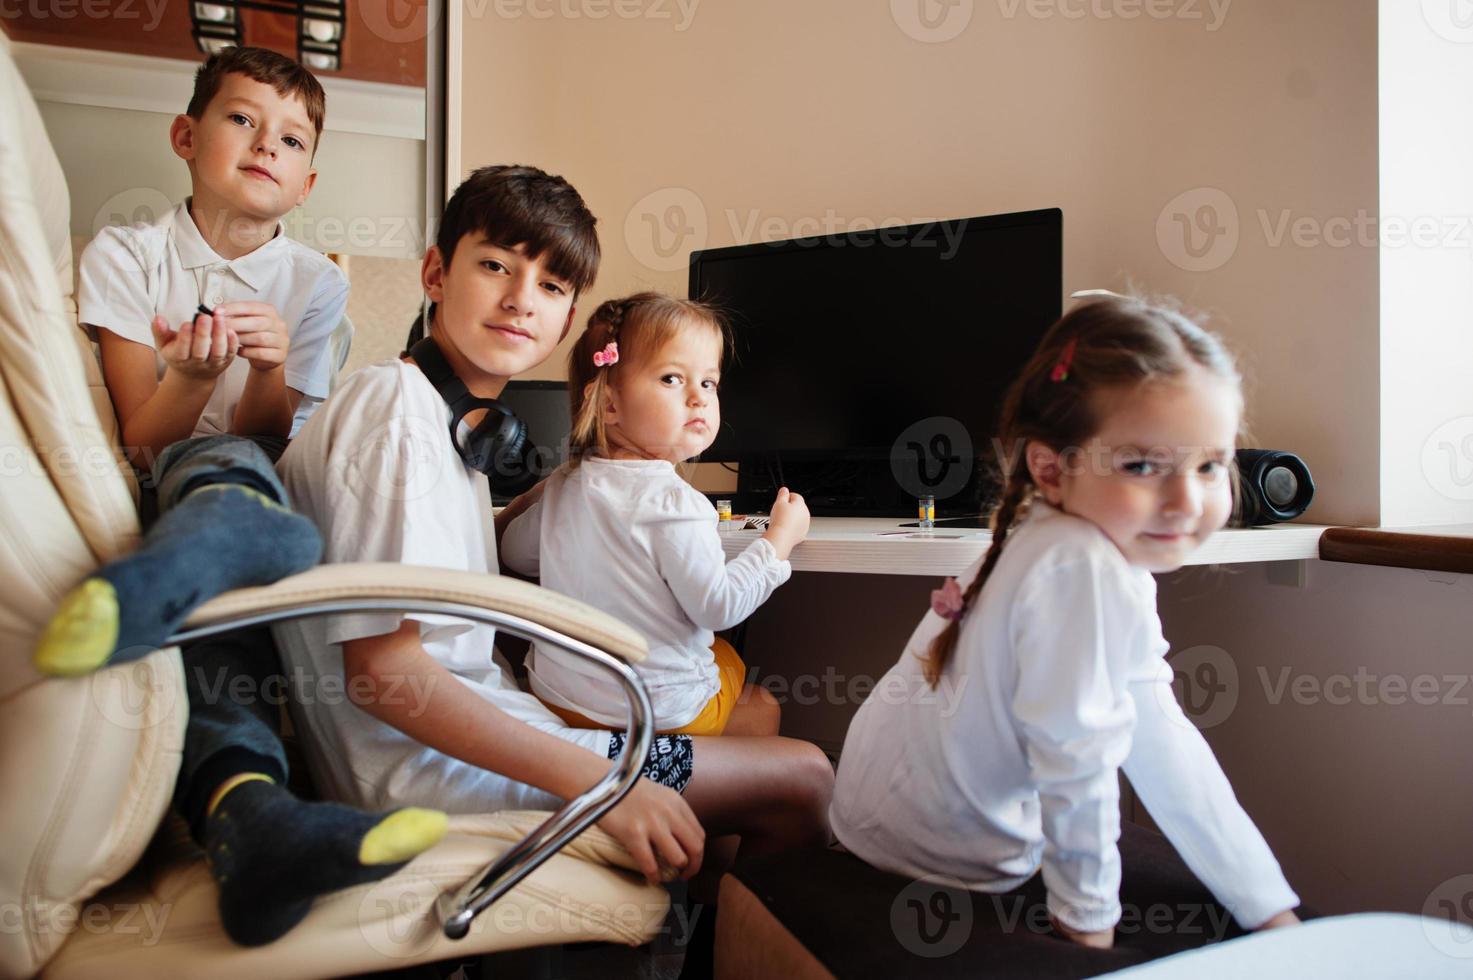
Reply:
x=544, y=408
x=843, y=342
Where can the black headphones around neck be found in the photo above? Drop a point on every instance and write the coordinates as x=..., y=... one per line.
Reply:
x=499, y=446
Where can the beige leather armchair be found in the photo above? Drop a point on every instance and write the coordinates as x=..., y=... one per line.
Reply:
x=89, y=884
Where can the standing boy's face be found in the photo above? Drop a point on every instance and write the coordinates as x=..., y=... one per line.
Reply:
x=250, y=152
x=499, y=312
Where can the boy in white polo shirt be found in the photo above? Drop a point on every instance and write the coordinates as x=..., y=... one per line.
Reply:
x=236, y=374
x=258, y=365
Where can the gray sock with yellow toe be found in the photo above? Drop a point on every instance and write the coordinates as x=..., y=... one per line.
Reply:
x=221, y=536
x=272, y=853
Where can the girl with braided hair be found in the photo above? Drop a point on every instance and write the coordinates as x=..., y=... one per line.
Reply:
x=992, y=749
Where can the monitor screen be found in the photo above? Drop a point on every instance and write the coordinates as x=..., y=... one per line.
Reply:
x=544, y=409
x=844, y=343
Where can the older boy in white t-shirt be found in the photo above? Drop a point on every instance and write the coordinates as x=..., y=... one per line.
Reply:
x=436, y=718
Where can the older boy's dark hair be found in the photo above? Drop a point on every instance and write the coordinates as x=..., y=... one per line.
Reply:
x=515, y=205
x=267, y=67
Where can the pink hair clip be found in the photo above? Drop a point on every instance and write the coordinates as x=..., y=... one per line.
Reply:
x=1061, y=369
x=947, y=601
x=609, y=355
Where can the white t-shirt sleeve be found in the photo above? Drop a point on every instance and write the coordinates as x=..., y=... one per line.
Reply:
x=384, y=475
x=713, y=593
x=1177, y=777
x=309, y=364
x=112, y=286
x=1075, y=720
x=521, y=543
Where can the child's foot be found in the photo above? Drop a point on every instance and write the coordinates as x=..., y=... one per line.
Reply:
x=219, y=537
x=272, y=854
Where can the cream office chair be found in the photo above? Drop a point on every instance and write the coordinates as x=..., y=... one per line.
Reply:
x=88, y=886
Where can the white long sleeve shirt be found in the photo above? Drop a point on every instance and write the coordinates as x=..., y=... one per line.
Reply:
x=1056, y=683
x=631, y=538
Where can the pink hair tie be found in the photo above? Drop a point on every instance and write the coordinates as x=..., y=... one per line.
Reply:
x=947, y=601
x=1061, y=369
x=609, y=355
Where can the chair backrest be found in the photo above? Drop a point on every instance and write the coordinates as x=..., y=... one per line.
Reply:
x=87, y=765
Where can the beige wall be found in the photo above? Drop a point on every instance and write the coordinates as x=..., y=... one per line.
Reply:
x=764, y=113
x=119, y=168
x=385, y=298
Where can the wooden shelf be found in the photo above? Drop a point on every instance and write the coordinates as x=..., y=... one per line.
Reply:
x=856, y=545
x=1435, y=549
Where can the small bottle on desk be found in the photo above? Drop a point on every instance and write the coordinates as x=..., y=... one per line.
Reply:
x=723, y=515
x=926, y=509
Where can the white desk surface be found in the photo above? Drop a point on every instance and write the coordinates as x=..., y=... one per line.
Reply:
x=854, y=544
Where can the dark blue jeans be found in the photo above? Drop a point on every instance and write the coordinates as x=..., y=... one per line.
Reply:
x=233, y=681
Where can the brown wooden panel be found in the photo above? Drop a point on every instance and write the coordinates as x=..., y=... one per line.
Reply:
x=1449, y=551
x=383, y=40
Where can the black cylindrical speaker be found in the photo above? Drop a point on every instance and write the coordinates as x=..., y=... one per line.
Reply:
x=1275, y=486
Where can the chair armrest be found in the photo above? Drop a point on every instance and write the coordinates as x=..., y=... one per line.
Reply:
x=526, y=610
x=387, y=585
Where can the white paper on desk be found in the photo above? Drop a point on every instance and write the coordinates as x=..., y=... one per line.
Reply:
x=918, y=534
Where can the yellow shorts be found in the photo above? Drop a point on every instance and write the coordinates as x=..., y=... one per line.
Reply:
x=713, y=717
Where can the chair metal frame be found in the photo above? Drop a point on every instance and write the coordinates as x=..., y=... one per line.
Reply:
x=568, y=821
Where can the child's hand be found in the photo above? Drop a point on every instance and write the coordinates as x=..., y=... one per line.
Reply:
x=657, y=828
x=1284, y=918
x=788, y=524
x=1103, y=939
x=200, y=349
x=262, y=332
